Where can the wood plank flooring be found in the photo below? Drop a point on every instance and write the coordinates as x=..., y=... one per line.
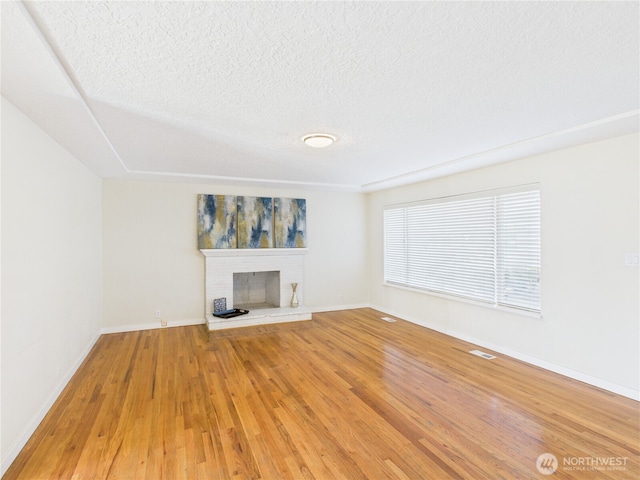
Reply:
x=343, y=396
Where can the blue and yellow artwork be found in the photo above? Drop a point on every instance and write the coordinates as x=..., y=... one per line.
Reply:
x=290, y=218
x=217, y=221
x=255, y=222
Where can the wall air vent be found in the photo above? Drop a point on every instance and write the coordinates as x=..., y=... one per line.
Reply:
x=482, y=354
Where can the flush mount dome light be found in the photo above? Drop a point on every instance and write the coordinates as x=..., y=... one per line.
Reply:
x=318, y=140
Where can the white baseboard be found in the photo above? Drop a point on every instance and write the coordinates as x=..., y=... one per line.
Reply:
x=19, y=444
x=567, y=372
x=151, y=326
x=552, y=367
x=199, y=321
x=335, y=308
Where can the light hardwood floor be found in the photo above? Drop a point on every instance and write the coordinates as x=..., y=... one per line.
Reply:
x=345, y=395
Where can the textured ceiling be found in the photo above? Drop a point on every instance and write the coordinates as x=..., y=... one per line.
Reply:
x=223, y=91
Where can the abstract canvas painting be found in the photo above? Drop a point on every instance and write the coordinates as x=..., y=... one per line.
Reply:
x=255, y=222
x=290, y=218
x=217, y=221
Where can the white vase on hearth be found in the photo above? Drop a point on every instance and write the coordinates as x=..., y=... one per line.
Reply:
x=294, y=298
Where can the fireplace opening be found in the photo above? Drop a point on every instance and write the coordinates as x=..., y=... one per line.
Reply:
x=256, y=290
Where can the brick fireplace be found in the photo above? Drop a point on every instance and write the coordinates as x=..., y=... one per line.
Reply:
x=263, y=285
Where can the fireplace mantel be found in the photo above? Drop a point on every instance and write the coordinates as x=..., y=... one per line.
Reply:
x=221, y=264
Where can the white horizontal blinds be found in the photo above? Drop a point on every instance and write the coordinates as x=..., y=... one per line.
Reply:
x=395, y=246
x=451, y=248
x=485, y=248
x=518, y=246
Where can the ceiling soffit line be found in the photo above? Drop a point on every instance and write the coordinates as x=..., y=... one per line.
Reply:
x=267, y=182
x=59, y=61
x=631, y=117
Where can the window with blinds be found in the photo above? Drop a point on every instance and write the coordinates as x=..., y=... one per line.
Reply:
x=482, y=247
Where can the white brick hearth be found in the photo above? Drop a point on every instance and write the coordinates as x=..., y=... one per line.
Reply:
x=221, y=264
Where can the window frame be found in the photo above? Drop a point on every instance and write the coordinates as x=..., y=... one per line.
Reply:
x=527, y=303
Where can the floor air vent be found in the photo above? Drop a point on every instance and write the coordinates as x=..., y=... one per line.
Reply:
x=387, y=319
x=482, y=354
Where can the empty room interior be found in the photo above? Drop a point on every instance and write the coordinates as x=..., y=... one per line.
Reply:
x=328, y=240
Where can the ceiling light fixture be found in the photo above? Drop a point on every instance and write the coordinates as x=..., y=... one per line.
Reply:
x=318, y=140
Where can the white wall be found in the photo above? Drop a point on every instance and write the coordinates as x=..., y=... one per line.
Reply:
x=67, y=238
x=51, y=273
x=151, y=259
x=590, y=299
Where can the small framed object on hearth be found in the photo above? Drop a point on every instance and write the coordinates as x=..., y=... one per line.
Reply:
x=219, y=304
